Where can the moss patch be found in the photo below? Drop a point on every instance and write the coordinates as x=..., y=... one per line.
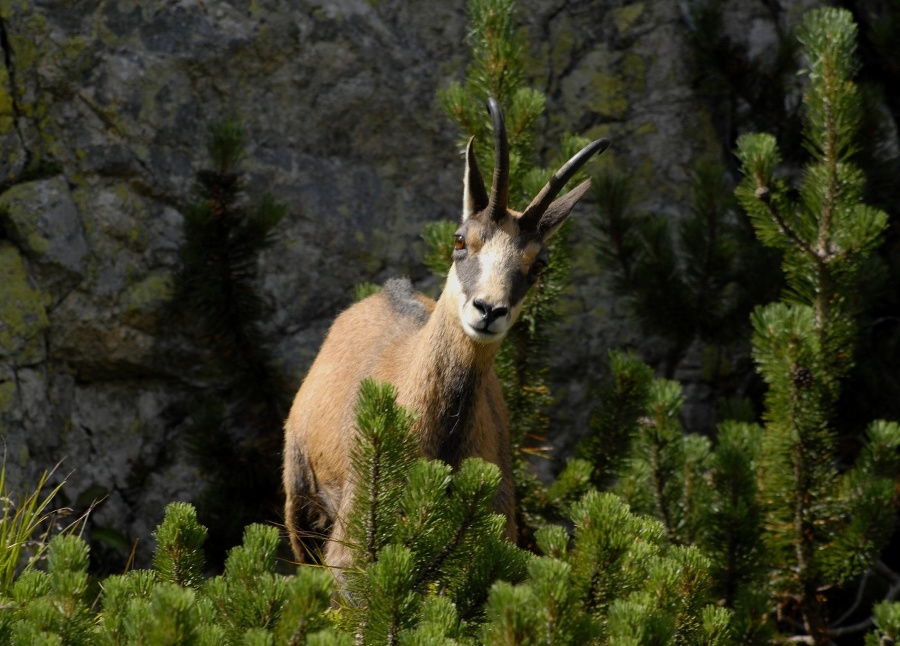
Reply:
x=609, y=90
x=643, y=131
x=634, y=69
x=560, y=50
x=23, y=318
x=150, y=292
x=7, y=395
x=18, y=206
x=63, y=62
x=626, y=16
x=6, y=104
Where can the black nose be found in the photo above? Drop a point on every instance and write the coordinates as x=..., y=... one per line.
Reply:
x=489, y=313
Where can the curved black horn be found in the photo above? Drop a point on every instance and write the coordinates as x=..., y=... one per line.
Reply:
x=500, y=189
x=475, y=197
x=531, y=217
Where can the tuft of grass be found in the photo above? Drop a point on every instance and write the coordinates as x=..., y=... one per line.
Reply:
x=21, y=520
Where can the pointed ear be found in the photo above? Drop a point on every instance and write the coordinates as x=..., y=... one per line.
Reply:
x=559, y=210
x=475, y=197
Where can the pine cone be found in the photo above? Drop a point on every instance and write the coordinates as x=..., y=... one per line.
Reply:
x=802, y=376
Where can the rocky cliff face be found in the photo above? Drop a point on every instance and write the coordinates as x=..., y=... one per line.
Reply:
x=104, y=110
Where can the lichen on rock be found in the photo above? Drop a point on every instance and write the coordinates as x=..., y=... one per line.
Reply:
x=23, y=317
x=43, y=221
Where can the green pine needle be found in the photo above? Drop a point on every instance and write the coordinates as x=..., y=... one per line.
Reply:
x=179, y=557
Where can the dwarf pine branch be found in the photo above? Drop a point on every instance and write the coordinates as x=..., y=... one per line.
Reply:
x=804, y=344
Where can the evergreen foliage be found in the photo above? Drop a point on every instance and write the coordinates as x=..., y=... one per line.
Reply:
x=705, y=496
x=248, y=603
x=762, y=92
x=887, y=624
x=416, y=528
x=431, y=567
x=362, y=290
x=217, y=285
x=618, y=408
x=695, y=279
x=743, y=91
x=730, y=523
x=179, y=559
x=237, y=444
x=496, y=70
x=438, y=237
x=380, y=460
x=619, y=583
x=784, y=520
x=827, y=528
x=50, y=607
x=431, y=563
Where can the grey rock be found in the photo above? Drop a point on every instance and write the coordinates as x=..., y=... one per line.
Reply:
x=43, y=221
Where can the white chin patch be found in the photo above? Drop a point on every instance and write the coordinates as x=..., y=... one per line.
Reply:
x=482, y=336
x=474, y=327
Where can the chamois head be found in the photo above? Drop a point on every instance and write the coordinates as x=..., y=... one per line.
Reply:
x=499, y=253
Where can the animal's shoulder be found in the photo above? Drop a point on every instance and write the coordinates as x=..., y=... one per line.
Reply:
x=406, y=301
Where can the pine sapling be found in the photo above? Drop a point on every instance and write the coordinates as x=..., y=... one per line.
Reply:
x=179, y=556
x=619, y=582
x=415, y=528
x=218, y=301
x=307, y=601
x=618, y=408
x=51, y=607
x=825, y=527
x=249, y=595
x=887, y=623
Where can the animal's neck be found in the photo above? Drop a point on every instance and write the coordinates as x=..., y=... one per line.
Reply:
x=450, y=370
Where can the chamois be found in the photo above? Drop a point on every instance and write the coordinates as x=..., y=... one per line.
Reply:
x=438, y=355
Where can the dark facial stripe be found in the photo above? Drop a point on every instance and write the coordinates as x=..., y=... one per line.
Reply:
x=520, y=286
x=522, y=281
x=468, y=270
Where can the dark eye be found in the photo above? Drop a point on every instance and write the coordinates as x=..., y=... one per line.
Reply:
x=537, y=268
x=460, y=242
